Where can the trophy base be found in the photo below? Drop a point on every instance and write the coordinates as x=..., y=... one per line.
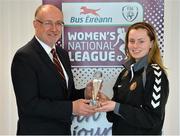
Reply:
x=94, y=103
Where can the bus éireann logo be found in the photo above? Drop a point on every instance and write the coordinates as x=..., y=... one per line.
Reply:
x=85, y=10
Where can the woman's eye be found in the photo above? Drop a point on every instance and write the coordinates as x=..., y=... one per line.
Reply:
x=131, y=42
x=141, y=41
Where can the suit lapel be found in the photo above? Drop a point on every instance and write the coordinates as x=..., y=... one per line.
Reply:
x=46, y=59
x=64, y=60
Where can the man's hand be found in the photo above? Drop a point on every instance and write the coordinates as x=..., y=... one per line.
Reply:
x=81, y=107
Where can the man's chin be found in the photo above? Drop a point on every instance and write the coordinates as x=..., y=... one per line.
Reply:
x=53, y=42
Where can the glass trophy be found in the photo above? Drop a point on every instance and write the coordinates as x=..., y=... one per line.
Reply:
x=97, y=83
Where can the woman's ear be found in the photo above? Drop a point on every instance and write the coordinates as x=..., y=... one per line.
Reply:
x=151, y=44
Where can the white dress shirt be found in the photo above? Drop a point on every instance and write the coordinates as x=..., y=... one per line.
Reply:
x=48, y=51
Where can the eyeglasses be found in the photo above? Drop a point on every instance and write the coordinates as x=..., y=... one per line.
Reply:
x=50, y=24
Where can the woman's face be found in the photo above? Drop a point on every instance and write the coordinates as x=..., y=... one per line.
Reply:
x=139, y=43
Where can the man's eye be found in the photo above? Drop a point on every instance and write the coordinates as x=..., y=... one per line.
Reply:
x=59, y=23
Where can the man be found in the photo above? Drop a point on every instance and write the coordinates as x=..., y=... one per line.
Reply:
x=44, y=88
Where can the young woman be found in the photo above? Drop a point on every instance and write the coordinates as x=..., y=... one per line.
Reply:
x=141, y=89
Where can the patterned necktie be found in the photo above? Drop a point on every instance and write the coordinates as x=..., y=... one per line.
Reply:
x=57, y=63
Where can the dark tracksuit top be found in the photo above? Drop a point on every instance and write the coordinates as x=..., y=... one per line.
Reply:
x=140, y=109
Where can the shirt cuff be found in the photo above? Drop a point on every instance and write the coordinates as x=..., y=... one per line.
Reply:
x=116, y=109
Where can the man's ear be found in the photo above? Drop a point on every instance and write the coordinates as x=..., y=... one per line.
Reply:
x=35, y=24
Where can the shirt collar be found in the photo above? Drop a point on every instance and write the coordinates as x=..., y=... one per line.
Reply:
x=45, y=46
x=143, y=62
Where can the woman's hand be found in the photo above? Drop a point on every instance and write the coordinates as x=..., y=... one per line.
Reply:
x=106, y=106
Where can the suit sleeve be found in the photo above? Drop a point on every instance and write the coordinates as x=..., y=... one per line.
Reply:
x=152, y=112
x=25, y=82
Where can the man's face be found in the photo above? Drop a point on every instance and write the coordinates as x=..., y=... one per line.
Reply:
x=48, y=25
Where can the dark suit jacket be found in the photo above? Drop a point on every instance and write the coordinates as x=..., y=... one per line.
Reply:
x=43, y=100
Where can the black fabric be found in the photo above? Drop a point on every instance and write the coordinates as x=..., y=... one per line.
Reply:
x=44, y=102
x=140, y=112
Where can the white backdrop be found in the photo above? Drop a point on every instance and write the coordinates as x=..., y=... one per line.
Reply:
x=16, y=29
